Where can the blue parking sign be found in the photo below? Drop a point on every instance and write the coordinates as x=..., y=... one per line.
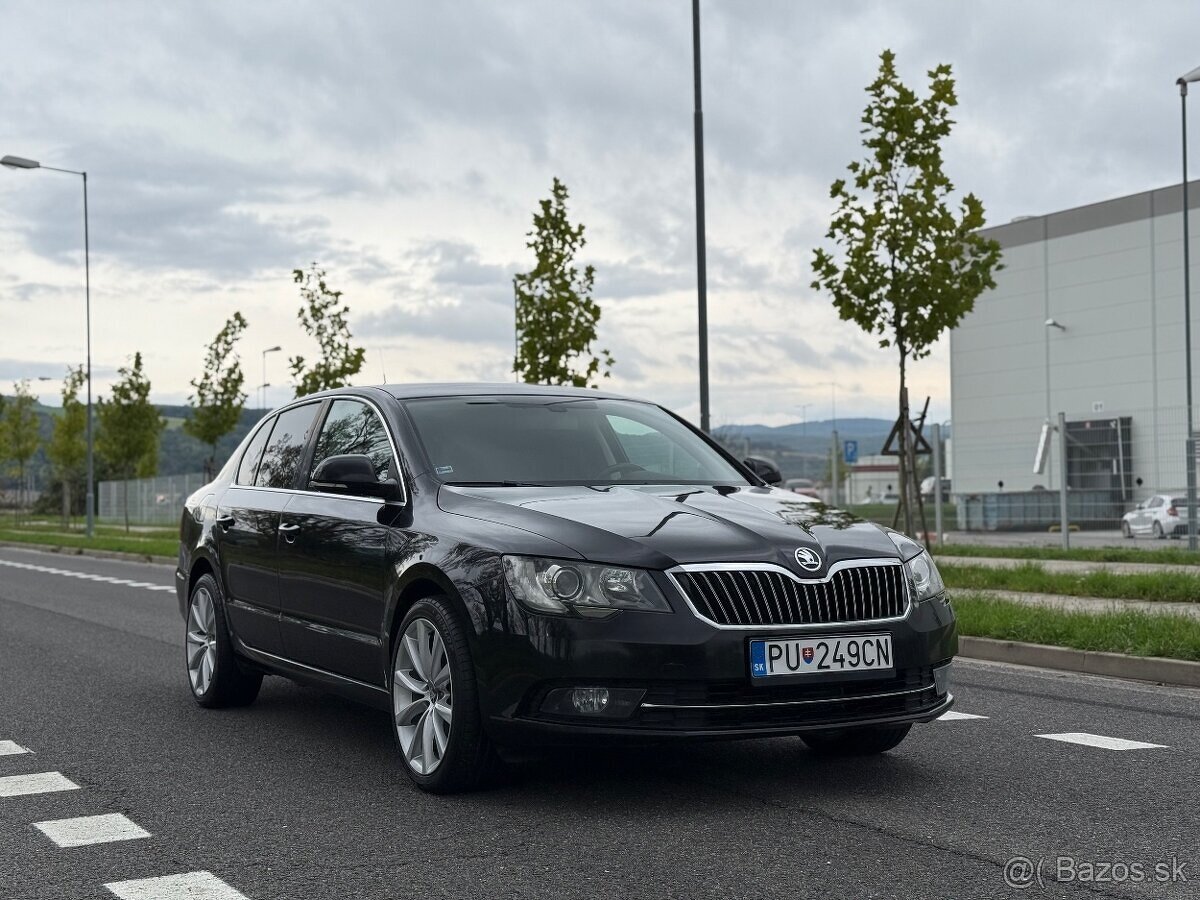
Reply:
x=850, y=452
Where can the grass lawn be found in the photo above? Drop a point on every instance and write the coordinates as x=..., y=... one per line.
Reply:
x=154, y=542
x=1131, y=632
x=1167, y=556
x=1177, y=587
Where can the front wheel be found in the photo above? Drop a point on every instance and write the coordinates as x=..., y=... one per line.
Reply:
x=1126, y=531
x=215, y=677
x=435, y=702
x=856, y=741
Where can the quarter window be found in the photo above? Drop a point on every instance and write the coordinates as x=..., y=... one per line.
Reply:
x=249, y=463
x=281, y=459
x=353, y=427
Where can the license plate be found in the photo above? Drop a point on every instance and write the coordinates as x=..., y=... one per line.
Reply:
x=821, y=655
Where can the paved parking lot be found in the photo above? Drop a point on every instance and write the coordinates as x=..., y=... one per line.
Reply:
x=114, y=783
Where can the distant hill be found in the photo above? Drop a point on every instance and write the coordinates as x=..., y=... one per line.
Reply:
x=801, y=449
x=178, y=452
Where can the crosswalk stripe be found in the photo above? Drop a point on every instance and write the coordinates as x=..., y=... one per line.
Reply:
x=1100, y=740
x=39, y=783
x=85, y=830
x=190, y=886
x=11, y=748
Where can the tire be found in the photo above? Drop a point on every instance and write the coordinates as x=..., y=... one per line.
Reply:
x=215, y=677
x=856, y=741
x=436, y=721
x=1126, y=532
x=1158, y=531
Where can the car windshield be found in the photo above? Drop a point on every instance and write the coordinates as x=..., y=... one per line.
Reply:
x=509, y=440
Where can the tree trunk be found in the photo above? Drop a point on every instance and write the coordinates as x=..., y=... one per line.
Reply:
x=66, y=504
x=125, y=501
x=906, y=462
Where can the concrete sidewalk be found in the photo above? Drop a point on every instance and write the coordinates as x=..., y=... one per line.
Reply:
x=1089, y=604
x=1067, y=566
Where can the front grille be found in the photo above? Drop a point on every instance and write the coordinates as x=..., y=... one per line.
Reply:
x=770, y=597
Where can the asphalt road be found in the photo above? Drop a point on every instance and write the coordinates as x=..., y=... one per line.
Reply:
x=300, y=796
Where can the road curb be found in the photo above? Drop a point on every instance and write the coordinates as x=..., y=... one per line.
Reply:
x=88, y=551
x=1090, y=662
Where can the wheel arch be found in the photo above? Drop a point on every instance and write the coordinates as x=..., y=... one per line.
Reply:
x=417, y=583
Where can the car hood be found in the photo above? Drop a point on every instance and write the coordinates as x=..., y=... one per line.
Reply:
x=661, y=526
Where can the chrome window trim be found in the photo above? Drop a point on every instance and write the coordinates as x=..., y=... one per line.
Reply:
x=386, y=430
x=772, y=567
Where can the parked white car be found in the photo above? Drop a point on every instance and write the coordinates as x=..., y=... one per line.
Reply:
x=1163, y=515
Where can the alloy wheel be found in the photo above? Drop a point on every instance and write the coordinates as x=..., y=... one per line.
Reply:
x=202, y=641
x=422, y=696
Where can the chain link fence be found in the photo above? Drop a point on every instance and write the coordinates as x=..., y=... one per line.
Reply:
x=151, y=501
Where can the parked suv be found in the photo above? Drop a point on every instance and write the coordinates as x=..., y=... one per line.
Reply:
x=505, y=567
x=1163, y=515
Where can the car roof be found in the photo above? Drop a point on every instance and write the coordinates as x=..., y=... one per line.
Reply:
x=484, y=388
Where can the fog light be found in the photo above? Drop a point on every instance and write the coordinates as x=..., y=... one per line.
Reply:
x=589, y=699
x=941, y=679
x=593, y=702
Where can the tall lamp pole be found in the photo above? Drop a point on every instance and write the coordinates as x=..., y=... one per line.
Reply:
x=18, y=162
x=1183, y=82
x=263, y=387
x=701, y=265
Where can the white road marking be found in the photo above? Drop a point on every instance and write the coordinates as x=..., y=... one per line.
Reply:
x=953, y=716
x=41, y=783
x=91, y=830
x=11, y=748
x=1100, y=740
x=86, y=576
x=192, y=886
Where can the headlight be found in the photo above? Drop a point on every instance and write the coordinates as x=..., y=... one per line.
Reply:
x=562, y=586
x=922, y=574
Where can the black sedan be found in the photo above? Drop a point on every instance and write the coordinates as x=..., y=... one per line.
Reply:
x=507, y=567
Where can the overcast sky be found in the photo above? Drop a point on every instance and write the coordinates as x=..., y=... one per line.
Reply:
x=405, y=145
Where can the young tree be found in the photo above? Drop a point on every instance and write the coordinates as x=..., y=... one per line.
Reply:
x=20, y=428
x=218, y=399
x=556, y=315
x=323, y=317
x=67, y=448
x=130, y=427
x=909, y=266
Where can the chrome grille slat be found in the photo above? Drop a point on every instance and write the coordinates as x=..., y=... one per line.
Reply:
x=765, y=595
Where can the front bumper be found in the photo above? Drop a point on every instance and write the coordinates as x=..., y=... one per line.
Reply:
x=695, y=678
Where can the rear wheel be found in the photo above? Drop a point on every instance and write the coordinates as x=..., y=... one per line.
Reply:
x=435, y=703
x=1158, y=531
x=215, y=677
x=856, y=741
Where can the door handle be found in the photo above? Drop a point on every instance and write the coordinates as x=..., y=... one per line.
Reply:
x=226, y=521
x=289, y=528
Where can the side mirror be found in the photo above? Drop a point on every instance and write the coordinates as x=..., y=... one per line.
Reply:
x=764, y=469
x=352, y=474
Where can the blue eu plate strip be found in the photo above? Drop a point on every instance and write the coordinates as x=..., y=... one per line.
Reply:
x=758, y=659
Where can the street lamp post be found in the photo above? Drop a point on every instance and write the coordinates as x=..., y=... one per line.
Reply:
x=18, y=162
x=263, y=387
x=701, y=266
x=1183, y=82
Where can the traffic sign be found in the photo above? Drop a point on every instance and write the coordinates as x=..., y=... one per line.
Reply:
x=850, y=452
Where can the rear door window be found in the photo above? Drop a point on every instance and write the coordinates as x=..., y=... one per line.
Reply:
x=281, y=459
x=249, y=464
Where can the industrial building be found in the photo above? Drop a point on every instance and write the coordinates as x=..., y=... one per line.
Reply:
x=1086, y=319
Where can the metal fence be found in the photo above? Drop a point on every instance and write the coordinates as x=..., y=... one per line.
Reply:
x=152, y=501
x=1082, y=470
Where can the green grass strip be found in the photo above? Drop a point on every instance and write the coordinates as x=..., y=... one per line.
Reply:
x=150, y=546
x=1030, y=577
x=1131, y=632
x=1170, y=555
